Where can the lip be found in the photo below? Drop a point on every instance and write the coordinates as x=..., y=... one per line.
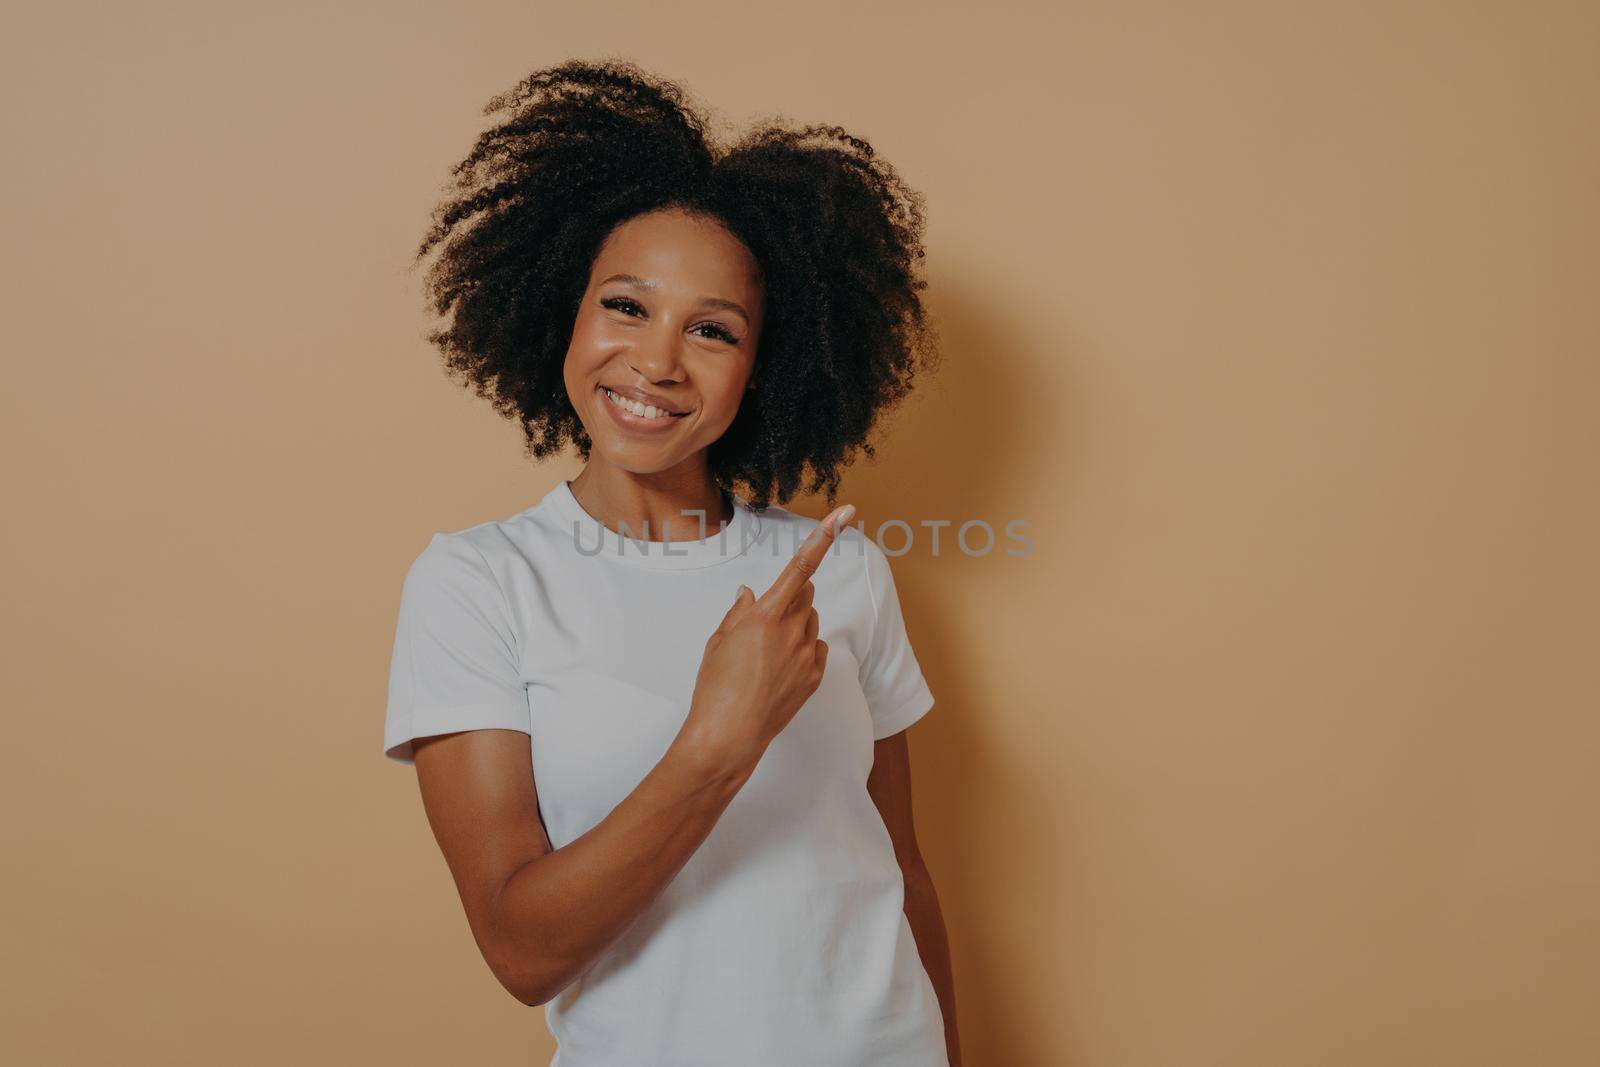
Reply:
x=631, y=422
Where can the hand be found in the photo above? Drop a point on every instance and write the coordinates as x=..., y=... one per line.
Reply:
x=765, y=660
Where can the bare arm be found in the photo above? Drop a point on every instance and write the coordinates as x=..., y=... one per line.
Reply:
x=541, y=916
x=890, y=786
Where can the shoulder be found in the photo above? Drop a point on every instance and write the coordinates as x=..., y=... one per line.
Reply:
x=449, y=567
x=496, y=544
x=477, y=557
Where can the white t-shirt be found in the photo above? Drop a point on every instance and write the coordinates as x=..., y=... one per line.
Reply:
x=782, y=941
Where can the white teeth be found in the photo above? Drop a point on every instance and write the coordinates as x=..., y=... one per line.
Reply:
x=648, y=411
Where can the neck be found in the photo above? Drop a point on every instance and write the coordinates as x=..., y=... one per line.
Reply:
x=682, y=504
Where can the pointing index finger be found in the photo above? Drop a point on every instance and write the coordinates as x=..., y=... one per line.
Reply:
x=804, y=563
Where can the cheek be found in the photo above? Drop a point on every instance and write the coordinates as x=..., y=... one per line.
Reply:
x=585, y=355
x=727, y=395
x=585, y=341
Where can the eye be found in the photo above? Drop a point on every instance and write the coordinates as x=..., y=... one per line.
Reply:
x=628, y=307
x=719, y=333
x=619, y=303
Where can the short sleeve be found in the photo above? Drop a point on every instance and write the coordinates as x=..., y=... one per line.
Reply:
x=897, y=693
x=455, y=664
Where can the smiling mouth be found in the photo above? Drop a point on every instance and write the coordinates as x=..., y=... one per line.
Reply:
x=640, y=410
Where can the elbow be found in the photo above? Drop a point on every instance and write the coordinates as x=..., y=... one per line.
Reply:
x=534, y=985
x=528, y=989
x=534, y=976
x=545, y=987
x=534, y=998
x=535, y=994
x=522, y=978
x=523, y=974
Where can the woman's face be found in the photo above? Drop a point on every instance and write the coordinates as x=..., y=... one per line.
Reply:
x=672, y=314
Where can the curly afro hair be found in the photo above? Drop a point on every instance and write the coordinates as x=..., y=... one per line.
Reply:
x=584, y=146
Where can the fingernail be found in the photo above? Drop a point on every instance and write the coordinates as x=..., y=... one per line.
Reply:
x=845, y=516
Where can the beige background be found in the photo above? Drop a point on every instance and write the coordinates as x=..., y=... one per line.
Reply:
x=1276, y=321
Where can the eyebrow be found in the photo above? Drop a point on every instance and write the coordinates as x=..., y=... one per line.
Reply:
x=709, y=301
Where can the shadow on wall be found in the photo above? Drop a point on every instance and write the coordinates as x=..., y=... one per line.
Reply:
x=949, y=453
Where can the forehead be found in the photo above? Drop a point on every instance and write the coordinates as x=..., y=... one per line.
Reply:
x=685, y=254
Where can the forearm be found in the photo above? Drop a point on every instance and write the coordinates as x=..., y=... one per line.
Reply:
x=558, y=912
x=933, y=945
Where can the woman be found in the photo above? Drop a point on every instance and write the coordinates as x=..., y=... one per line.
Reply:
x=683, y=825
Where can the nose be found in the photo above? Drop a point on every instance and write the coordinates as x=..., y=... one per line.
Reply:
x=657, y=361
